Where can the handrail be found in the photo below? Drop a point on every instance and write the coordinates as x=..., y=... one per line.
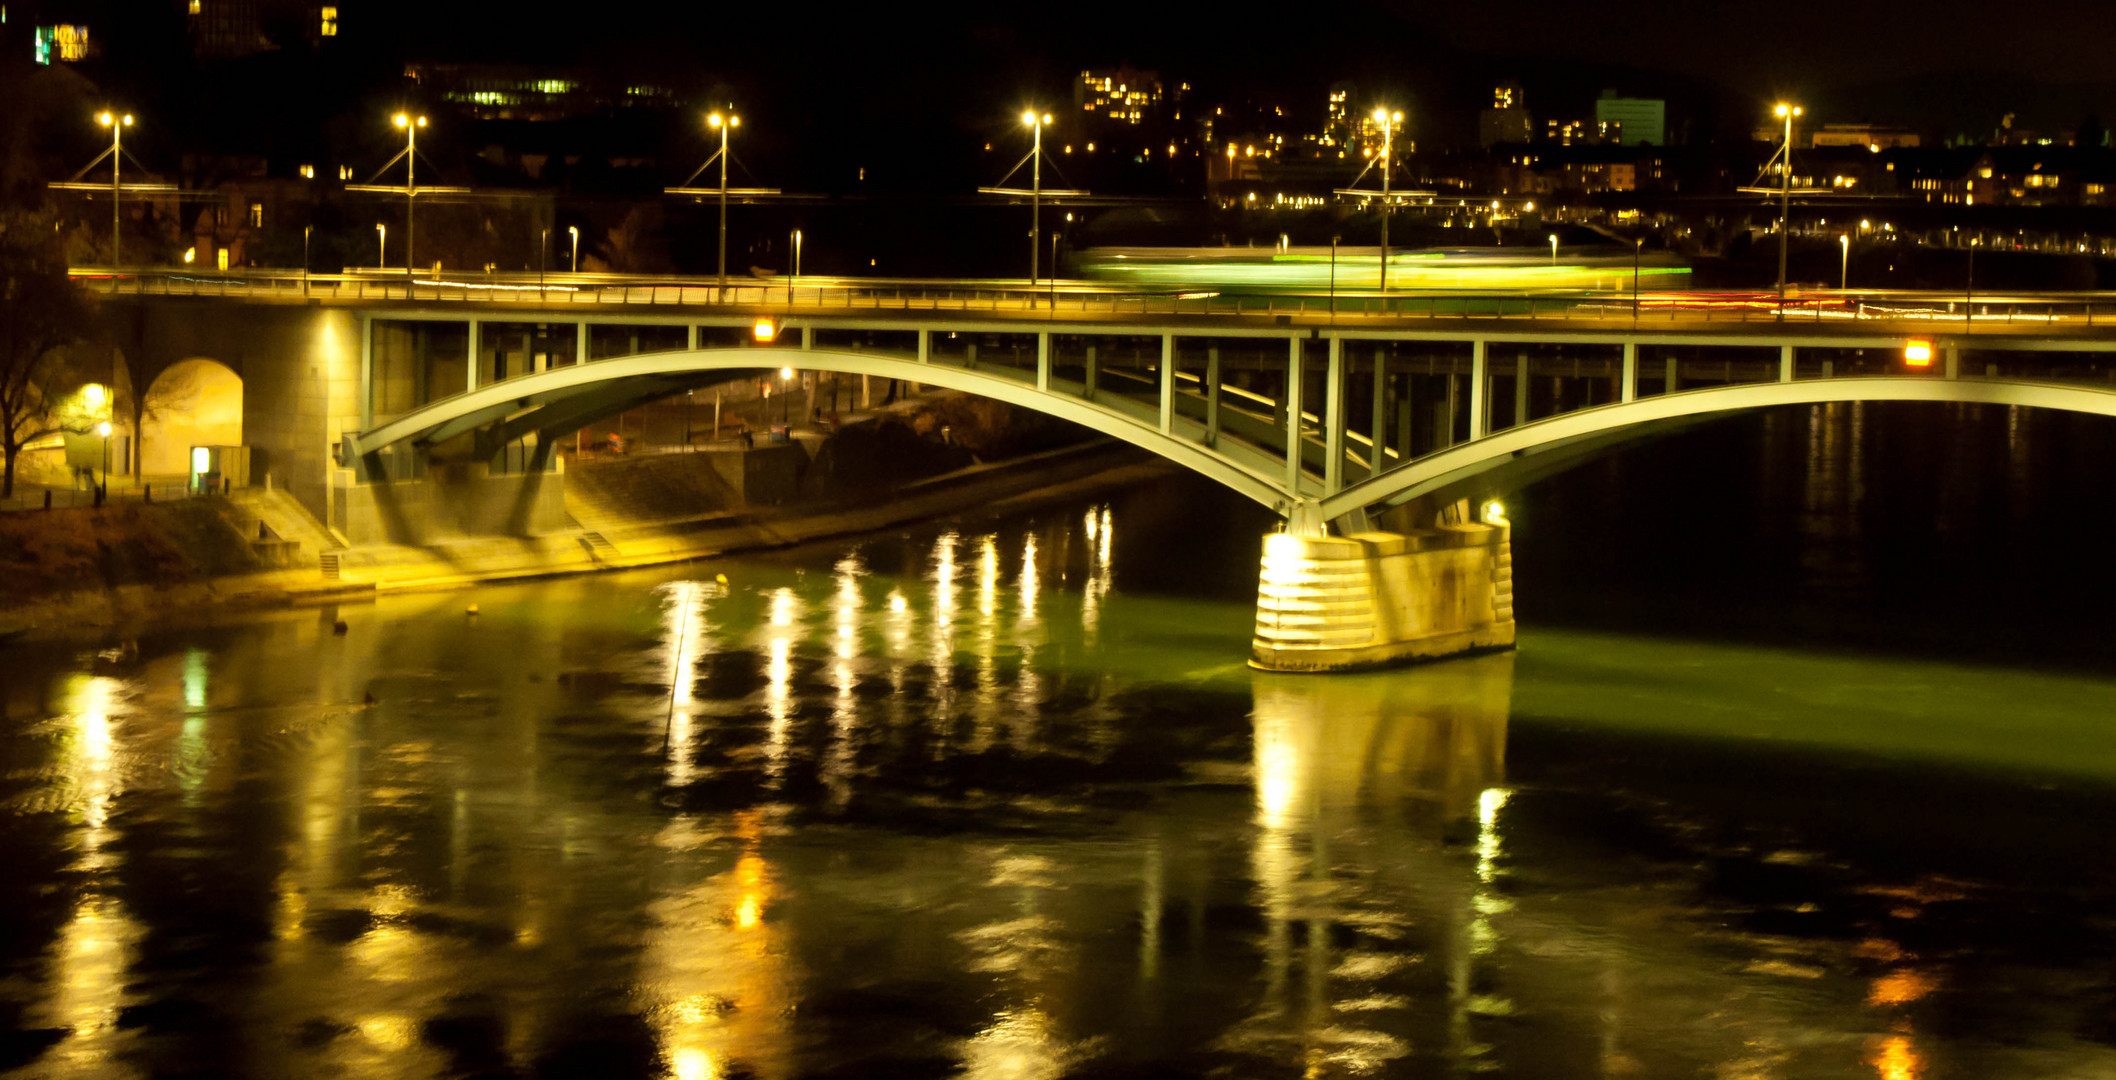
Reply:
x=1917, y=311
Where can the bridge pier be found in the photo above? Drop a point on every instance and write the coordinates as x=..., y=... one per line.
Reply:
x=1334, y=603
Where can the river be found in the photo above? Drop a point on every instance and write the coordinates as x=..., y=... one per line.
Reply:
x=1802, y=769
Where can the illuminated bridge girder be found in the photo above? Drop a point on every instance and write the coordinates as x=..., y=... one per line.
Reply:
x=1236, y=437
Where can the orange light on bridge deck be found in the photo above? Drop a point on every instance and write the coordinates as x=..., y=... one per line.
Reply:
x=765, y=330
x=1917, y=354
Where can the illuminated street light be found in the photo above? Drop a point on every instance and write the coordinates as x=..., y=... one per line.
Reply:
x=117, y=125
x=723, y=125
x=1785, y=200
x=411, y=125
x=1844, y=272
x=575, y=231
x=1388, y=121
x=381, y=246
x=1553, y=250
x=1036, y=122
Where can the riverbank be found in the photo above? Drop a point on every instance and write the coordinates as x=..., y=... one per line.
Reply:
x=192, y=565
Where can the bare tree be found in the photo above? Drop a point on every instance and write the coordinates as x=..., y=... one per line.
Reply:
x=41, y=313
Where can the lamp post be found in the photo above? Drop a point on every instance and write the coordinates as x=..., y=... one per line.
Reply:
x=1333, y=280
x=117, y=125
x=575, y=230
x=723, y=125
x=795, y=245
x=305, y=230
x=1785, y=199
x=381, y=246
x=1036, y=122
x=1553, y=251
x=1388, y=121
x=1844, y=271
x=103, y=429
x=411, y=125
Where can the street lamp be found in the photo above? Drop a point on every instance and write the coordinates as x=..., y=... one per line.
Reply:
x=103, y=429
x=1785, y=198
x=575, y=230
x=1553, y=250
x=117, y=125
x=411, y=125
x=1844, y=272
x=1388, y=121
x=1036, y=122
x=723, y=125
x=381, y=246
x=795, y=245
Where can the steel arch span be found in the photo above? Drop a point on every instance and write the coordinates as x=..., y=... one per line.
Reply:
x=569, y=397
x=562, y=399
x=1515, y=455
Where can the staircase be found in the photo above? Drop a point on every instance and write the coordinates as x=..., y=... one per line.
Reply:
x=282, y=531
x=599, y=547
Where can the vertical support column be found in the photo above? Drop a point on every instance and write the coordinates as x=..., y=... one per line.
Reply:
x=1212, y=395
x=1090, y=373
x=925, y=346
x=1785, y=363
x=367, y=374
x=1629, y=391
x=866, y=391
x=1379, y=450
x=808, y=337
x=1334, y=418
x=1043, y=361
x=580, y=342
x=531, y=361
x=1673, y=379
x=1292, y=400
x=690, y=339
x=1168, y=382
x=1520, y=389
x=470, y=361
x=1954, y=362
x=1479, y=410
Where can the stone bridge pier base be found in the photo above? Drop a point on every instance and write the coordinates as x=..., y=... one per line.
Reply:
x=1334, y=603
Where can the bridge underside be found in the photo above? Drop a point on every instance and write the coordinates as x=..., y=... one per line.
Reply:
x=1424, y=431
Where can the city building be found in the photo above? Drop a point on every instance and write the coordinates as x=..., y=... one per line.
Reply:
x=1506, y=121
x=1873, y=137
x=1632, y=120
x=1125, y=96
x=221, y=29
x=1582, y=132
x=515, y=92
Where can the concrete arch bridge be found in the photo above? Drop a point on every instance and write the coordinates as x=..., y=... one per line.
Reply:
x=1378, y=447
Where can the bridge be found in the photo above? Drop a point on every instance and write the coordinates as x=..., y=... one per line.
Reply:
x=1384, y=436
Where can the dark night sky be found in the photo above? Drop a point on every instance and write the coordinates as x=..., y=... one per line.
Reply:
x=1858, y=60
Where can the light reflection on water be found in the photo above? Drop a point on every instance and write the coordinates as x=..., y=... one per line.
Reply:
x=949, y=803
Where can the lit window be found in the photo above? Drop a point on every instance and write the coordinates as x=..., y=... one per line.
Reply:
x=257, y=215
x=220, y=258
x=329, y=26
x=194, y=7
x=308, y=172
x=345, y=172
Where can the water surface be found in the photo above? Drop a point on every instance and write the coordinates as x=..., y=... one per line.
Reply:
x=1001, y=799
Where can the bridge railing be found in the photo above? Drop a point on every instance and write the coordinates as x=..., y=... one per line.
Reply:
x=1911, y=310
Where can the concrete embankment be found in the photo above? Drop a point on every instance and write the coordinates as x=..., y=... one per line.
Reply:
x=81, y=572
x=688, y=481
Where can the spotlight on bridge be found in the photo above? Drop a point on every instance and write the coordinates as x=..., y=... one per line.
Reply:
x=1494, y=513
x=1917, y=354
x=765, y=330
